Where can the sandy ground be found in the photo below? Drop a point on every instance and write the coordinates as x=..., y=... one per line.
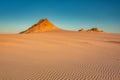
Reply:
x=60, y=55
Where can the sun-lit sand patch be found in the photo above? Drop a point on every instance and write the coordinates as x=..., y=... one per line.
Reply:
x=60, y=55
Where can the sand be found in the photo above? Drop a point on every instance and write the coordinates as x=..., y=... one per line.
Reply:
x=60, y=55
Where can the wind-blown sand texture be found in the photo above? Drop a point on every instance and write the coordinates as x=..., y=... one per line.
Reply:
x=60, y=55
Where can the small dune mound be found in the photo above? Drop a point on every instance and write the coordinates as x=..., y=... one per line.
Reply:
x=82, y=30
x=42, y=26
x=94, y=30
x=91, y=30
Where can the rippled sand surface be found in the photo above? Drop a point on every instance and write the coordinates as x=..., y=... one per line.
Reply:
x=60, y=55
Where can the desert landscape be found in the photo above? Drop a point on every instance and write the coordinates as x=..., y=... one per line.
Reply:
x=46, y=52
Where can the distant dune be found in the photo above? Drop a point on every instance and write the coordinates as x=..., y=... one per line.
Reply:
x=91, y=30
x=42, y=26
x=60, y=55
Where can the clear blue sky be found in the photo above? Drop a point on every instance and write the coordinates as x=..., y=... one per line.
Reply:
x=18, y=15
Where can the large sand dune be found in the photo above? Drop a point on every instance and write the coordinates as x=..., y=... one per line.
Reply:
x=60, y=55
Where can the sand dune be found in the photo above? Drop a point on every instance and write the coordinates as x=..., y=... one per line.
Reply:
x=42, y=26
x=60, y=55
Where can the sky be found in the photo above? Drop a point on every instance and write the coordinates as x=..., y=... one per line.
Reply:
x=18, y=15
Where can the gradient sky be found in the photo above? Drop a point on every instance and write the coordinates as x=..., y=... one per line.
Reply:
x=18, y=15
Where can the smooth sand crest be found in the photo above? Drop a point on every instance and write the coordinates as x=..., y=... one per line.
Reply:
x=60, y=55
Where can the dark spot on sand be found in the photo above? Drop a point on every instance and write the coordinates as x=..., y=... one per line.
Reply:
x=116, y=42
